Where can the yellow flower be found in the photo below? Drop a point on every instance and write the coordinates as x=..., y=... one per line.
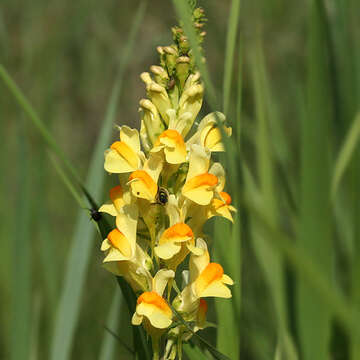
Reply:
x=124, y=155
x=152, y=310
x=143, y=183
x=208, y=133
x=173, y=145
x=206, y=279
x=123, y=256
x=174, y=245
x=200, y=184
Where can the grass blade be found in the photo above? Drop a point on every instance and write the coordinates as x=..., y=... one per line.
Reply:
x=108, y=345
x=268, y=256
x=314, y=225
x=34, y=117
x=21, y=272
x=69, y=305
x=345, y=154
x=229, y=53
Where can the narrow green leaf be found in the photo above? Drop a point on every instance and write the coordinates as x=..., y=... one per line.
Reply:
x=37, y=122
x=228, y=317
x=309, y=271
x=345, y=154
x=21, y=255
x=194, y=353
x=268, y=256
x=214, y=352
x=314, y=234
x=69, y=306
x=108, y=346
x=229, y=52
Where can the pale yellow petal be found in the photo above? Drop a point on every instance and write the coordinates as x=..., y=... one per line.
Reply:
x=161, y=279
x=218, y=170
x=167, y=250
x=130, y=137
x=199, y=161
x=198, y=263
x=108, y=208
x=105, y=245
x=156, y=317
x=227, y=280
x=201, y=195
x=116, y=164
x=216, y=289
x=126, y=222
x=115, y=255
x=136, y=319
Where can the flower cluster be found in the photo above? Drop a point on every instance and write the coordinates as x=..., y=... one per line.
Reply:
x=168, y=188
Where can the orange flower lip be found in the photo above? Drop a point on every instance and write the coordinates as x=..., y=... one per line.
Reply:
x=201, y=180
x=211, y=273
x=226, y=197
x=153, y=298
x=145, y=178
x=116, y=194
x=126, y=152
x=120, y=242
x=179, y=230
x=203, y=306
x=170, y=134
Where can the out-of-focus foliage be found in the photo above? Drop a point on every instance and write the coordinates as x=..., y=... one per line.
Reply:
x=300, y=95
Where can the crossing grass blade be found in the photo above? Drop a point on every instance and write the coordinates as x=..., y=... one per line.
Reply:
x=314, y=234
x=21, y=256
x=74, y=283
x=194, y=353
x=229, y=52
x=109, y=343
x=269, y=257
x=345, y=154
x=36, y=121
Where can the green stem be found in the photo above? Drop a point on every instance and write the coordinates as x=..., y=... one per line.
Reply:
x=155, y=347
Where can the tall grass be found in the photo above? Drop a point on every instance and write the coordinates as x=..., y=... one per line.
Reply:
x=288, y=80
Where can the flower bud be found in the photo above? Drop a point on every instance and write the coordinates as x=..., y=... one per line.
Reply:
x=160, y=99
x=161, y=75
x=182, y=69
x=171, y=55
x=190, y=102
x=151, y=118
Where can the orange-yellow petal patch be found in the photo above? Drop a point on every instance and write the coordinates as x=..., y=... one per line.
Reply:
x=226, y=197
x=175, y=148
x=126, y=152
x=200, y=188
x=211, y=273
x=143, y=185
x=202, y=311
x=177, y=232
x=153, y=298
x=116, y=196
x=206, y=179
x=120, y=242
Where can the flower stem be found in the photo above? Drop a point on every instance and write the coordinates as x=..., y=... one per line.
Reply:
x=155, y=346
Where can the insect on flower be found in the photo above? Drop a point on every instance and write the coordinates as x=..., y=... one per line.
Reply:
x=162, y=196
x=95, y=215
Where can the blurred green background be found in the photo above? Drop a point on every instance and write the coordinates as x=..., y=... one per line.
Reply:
x=292, y=101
